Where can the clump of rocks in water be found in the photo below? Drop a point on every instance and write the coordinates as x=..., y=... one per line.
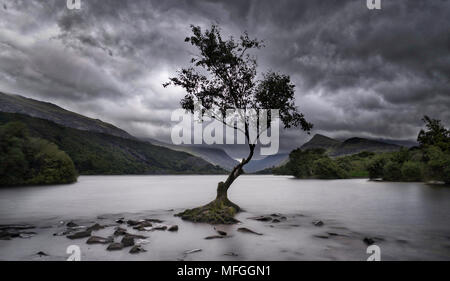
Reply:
x=7, y=232
x=120, y=238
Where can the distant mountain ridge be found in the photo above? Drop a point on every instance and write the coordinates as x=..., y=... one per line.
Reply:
x=350, y=146
x=267, y=162
x=213, y=155
x=49, y=111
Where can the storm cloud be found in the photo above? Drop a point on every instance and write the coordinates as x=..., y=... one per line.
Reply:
x=358, y=72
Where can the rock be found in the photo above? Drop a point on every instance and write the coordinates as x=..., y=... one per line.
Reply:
x=71, y=224
x=16, y=226
x=120, y=231
x=368, y=240
x=276, y=221
x=221, y=232
x=99, y=240
x=137, y=249
x=246, y=230
x=261, y=218
x=143, y=225
x=115, y=247
x=214, y=237
x=120, y=221
x=132, y=222
x=79, y=235
x=231, y=254
x=275, y=215
x=322, y=236
x=135, y=236
x=127, y=241
x=159, y=227
x=154, y=220
x=318, y=223
x=173, y=228
x=40, y=253
x=95, y=227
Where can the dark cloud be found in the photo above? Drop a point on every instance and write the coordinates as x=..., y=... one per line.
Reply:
x=358, y=72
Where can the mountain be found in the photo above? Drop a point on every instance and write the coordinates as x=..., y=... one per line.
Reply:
x=336, y=148
x=215, y=156
x=34, y=108
x=100, y=153
x=321, y=141
x=356, y=145
x=268, y=162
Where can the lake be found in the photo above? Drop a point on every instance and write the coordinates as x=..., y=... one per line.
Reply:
x=408, y=221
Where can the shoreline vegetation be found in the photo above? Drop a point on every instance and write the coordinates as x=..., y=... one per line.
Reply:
x=428, y=162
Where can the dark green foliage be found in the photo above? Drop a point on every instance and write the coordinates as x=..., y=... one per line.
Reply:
x=376, y=166
x=412, y=171
x=102, y=154
x=392, y=171
x=326, y=168
x=26, y=160
x=435, y=134
x=301, y=163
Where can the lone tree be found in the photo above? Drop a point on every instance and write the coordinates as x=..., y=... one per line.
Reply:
x=223, y=77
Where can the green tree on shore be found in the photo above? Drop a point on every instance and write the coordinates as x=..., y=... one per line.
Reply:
x=25, y=160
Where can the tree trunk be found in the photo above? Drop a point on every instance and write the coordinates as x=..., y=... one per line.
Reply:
x=222, y=187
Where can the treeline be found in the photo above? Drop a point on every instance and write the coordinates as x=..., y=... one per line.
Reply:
x=428, y=162
x=26, y=160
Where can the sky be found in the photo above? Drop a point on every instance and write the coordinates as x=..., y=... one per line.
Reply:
x=358, y=72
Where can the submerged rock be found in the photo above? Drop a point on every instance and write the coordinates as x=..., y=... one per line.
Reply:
x=137, y=249
x=99, y=240
x=127, y=241
x=71, y=224
x=154, y=220
x=95, y=227
x=79, y=235
x=173, y=228
x=221, y=232
x=16, y=226
x=41, y=253
x=246, y=230
x=368, y=240
x=261, y=218
x=120, y=231
x=318, y=223
x=133, y=222
x=142, y=225
x=214, y=237
x=115, y=247
x=159, y=227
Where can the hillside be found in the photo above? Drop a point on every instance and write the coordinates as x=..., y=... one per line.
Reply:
x=18, y=104
x=350, y=146
x=321, y=141
x=215, y=156
x=99, y=153
x=266, y=163
x=356, y=145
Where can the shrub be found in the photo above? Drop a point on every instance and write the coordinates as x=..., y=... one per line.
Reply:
x=412, y=171
x=326, y=168
x=392, y=171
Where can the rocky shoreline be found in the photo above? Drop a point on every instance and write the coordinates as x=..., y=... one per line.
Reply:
x=133, y=233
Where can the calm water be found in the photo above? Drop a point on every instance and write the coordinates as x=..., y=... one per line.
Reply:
x=412, y=219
